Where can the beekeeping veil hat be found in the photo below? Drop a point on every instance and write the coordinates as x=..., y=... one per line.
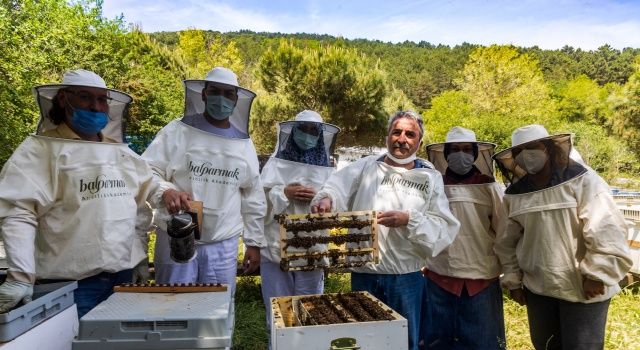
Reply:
x=482, y=151
x=195, y=104
x=306, y=139
x=118, y=102
x=558, y=147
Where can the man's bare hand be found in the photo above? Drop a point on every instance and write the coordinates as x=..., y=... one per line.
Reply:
x=251, y=260
x=323, y=206
x=393, y=218
x=518, y=296
x=299, y=192
x=175, y=201
x=592, y=288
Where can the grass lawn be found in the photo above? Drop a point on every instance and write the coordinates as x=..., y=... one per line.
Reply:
x=623, y=323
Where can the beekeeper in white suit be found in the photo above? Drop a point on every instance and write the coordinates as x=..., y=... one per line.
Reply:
x=72, y=195
x=208, y=156
x=291, y=177
x=413, y=213
x=564, y=247
x=462, y=281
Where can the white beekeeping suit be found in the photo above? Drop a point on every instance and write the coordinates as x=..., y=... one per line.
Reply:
x=476, y=202
x=563, y=248
x=291, y=165
x=69, y=208
x=301, y=162
x=217, y=166
x=369, y=183
x=558, y=233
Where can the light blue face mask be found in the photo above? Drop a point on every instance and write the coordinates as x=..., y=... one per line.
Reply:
x=304, y=140
x=219, y=107
x=88, y=122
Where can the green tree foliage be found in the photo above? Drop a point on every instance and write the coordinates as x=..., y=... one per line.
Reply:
x=193, y=50
x=500, y=89
x=346, y=87
x=625, y=119
x=201, y=52
x=43, y=39
x=154, y=79
x=449, y=109
x=582, y=99
x=503, y=82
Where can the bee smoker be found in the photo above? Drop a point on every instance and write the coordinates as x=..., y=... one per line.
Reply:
x=182, y=229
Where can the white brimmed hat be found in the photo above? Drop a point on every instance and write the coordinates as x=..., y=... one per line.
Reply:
x=526, y=134
x=308, y=116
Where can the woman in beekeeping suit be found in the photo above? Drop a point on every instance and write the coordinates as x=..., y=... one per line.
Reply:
x=73, y=194
x=208, y=156
x=297, y=169
x=464, y=299
x=563, y=249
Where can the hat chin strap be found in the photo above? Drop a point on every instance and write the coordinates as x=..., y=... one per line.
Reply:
x=403, y=161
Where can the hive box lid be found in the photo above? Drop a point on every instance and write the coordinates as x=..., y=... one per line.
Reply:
x=158, y=321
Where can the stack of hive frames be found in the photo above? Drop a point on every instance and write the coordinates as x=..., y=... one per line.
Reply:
x=328, y=241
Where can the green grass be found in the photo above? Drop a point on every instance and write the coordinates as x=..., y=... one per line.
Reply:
x=623, y=322
x=250, y=332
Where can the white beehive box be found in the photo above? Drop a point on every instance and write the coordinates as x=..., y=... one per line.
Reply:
x=288, y=334
x=631, y=212
x=144, y=321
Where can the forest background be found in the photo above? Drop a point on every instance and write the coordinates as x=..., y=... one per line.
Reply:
x=354, y=84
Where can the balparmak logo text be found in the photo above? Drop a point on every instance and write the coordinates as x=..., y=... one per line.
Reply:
x=100, y=182
x=207, y=168
x=398, y=180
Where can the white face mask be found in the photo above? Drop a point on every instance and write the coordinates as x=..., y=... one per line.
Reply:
x=403, y=161
x=532, y=160
x=460, y=162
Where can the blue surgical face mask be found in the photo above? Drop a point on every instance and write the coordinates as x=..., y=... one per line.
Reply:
x=304, y=140
x=88, y=122
x=219, y=107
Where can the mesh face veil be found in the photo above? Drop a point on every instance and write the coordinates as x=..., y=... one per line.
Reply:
x=439, y=153
x=75, y=83
x=525, y=158
x=320, y=154
x=225, y=79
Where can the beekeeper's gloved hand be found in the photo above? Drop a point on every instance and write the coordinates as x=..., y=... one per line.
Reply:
x=12, y=292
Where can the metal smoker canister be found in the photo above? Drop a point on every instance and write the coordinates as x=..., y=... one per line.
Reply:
x=181, y=230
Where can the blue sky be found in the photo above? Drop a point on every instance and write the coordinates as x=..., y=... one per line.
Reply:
x=548, y=24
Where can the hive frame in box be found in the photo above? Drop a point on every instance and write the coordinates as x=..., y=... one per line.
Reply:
x=288, y=334
x=356, y=252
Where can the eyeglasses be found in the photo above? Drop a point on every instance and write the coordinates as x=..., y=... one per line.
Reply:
x=309, y=128
x=87, y=97
x=212, y=90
